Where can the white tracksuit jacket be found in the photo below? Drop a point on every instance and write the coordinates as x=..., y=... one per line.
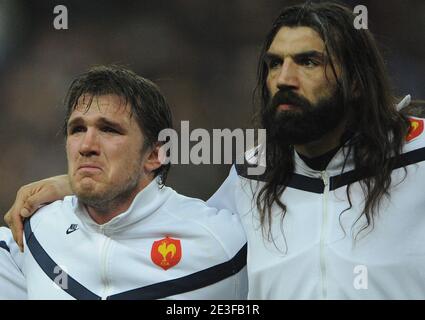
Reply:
x=12, y=281
x=165, y=246
x=314, y=257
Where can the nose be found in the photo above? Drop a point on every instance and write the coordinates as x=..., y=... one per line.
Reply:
x=288, y=76
x=89, y=144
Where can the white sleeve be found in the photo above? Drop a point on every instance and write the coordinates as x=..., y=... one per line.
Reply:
x=12, y=280
x=224, y=197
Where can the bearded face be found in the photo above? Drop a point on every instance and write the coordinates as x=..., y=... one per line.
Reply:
x=306, y=102
x=292, y=119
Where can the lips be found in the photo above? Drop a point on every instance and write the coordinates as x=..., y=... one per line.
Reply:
x=89, y=168
x=286, y=100
x=284, y=107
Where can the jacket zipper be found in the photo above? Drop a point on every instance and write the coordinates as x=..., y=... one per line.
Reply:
x=325, y=179
x=104, y=264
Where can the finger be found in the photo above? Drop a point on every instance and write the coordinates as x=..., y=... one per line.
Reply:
x=8, y=217
x=14, y=213
x=16, y=226
x=18, y=235
x=14, y=219
x=13, y=216
x=33, y=202
x=25, y=213
x=29, y=207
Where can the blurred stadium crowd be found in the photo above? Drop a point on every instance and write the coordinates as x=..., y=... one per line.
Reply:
x=203, y=55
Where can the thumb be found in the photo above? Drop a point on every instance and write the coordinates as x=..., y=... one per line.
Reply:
x=32, y=203
x=25, y=213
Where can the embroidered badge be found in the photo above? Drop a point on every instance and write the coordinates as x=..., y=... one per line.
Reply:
x=416, y=129
x=166, y=253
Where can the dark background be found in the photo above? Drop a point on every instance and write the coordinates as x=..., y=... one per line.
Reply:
x=203, y=54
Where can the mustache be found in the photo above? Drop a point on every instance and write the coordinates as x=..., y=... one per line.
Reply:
x=289, y=97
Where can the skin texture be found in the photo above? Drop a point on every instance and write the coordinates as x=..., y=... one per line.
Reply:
x=296, y=60
x=107, y=164
x=105, y=160
x=30, y=197
x=308, y=76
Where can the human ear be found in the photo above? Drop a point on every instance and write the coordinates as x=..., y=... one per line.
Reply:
x=152, y=161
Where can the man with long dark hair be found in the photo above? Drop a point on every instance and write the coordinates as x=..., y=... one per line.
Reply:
x=338, y=213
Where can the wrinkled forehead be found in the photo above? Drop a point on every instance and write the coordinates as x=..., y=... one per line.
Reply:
x=294, y=40
x=108, y=105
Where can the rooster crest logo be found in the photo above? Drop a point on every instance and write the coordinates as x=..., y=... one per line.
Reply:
x=164, y=250
x=416, y=129
x=166, y=253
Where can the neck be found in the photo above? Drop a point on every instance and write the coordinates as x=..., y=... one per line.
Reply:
x=106, y=211
x=326, y=143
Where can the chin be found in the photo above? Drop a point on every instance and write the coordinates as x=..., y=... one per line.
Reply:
x=89, y=196
x=84, y=186
x=87, y=180
x=85, y=193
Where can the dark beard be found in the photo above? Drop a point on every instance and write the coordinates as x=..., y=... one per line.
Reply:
x=307, y=123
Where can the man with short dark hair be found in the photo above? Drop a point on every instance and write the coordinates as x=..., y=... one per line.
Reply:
x=125, y=235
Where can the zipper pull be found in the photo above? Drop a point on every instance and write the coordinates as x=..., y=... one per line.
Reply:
x=102, y=229
x=325, y=178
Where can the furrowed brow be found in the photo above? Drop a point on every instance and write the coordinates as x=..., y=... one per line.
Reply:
x=75, y=122
x=106, y=122
x=310, y=54
x=270, y=56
